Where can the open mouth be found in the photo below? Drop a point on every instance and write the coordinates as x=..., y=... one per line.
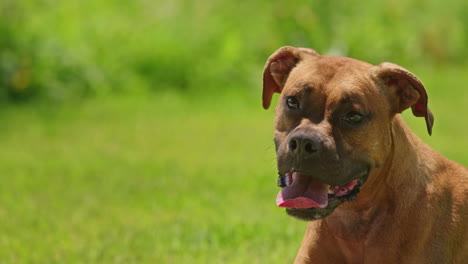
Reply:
x=300, y=191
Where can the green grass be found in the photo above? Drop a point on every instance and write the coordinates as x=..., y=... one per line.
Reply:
x=162, y=178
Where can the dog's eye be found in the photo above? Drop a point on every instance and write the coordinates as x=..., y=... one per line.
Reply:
x=354, y=117
x=292, y=102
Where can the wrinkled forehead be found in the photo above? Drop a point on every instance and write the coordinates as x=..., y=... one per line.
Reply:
x=337, y=77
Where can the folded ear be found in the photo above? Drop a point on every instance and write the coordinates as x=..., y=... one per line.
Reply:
x=405, y=90
x=277, y=70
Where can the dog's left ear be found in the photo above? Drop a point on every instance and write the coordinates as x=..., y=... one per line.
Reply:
x=278, y=67
x=406, y=90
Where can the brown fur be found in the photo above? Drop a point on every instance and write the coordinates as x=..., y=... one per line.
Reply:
x=413, y=207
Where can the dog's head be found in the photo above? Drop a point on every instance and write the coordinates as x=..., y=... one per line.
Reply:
x=333, y=124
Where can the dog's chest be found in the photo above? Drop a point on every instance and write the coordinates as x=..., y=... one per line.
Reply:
x=355, y=233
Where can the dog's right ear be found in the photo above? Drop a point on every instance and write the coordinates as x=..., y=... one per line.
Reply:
x=277, y=70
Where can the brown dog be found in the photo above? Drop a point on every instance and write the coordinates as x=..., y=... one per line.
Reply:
x=337, y=132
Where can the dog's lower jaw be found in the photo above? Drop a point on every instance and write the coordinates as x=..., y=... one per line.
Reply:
x=314, y=213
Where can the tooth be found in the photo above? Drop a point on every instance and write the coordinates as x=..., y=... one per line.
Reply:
x=289, y=178
x=294, y=175
x=330, y=191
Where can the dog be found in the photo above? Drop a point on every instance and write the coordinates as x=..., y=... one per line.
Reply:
x=372, y=191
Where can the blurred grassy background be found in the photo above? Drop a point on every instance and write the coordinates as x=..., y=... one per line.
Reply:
x=73, y=49
x=132, y=131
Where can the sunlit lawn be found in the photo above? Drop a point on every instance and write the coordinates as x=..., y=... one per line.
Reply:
x=162, y=178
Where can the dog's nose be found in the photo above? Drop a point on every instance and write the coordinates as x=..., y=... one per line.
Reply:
x=304, y=145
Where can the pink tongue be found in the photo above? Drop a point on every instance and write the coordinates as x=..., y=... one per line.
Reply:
x=303, y=193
